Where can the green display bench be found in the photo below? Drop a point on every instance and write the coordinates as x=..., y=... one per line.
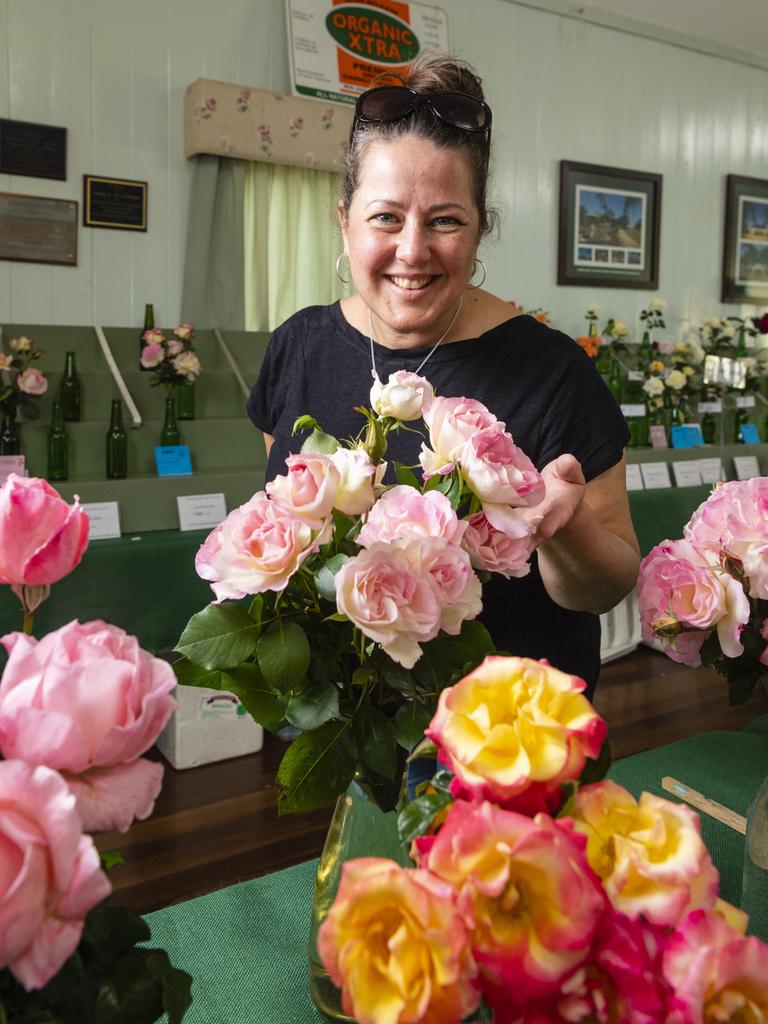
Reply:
x=246, y=945
x=661, y=514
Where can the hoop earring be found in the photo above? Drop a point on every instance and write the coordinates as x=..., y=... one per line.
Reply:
x=344, y=280
x=481, y=282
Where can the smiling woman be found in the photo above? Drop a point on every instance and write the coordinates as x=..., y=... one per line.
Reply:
x=412, y=215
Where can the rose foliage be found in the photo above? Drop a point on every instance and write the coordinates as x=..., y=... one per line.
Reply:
x=362, y=596
x=544, y=890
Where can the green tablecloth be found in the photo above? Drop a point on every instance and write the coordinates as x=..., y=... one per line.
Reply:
x=661, y=514
x=245, y=945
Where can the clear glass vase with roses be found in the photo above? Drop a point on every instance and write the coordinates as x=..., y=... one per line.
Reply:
x=21, y=387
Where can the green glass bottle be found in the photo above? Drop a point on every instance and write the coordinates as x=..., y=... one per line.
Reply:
x=740, y=417
x=614, y=379
x=644, y=351
x=741, y=341
x=149, y=323
x=170, y=434
x=10, y=442
x=58, y=445
x=69, y=391
x=117, y=444
x=185, y=400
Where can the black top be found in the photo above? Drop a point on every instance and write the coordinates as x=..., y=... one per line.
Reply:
x=538, y=381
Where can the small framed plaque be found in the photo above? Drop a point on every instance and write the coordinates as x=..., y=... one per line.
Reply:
x=37, y=230
x=34, y=150
x=114, y=203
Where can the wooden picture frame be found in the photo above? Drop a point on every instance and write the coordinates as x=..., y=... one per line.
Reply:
x=117, y=203
x=745, y=240
x=609, y=230
x=36, y=229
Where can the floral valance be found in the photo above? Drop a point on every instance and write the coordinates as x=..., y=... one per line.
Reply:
x=233, y=120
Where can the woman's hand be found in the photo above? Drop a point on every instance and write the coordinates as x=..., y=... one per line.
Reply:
x=565, y=489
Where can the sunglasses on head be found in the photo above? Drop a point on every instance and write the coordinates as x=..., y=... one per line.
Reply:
x=393, y=102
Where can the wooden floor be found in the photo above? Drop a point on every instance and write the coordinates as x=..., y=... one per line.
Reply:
x=217, y=824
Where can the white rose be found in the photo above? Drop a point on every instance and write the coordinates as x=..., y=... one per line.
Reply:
x=402, y=397
x=593, y=308
x=187, y=364
x=653, y=387
x=657, y=304
x=727, y=330
x=357, y=476
x=21, y=344
x=620, y=329
x=676, y=380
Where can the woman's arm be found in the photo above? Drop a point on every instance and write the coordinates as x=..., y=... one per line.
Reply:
x=268, y=442
x=589, y=557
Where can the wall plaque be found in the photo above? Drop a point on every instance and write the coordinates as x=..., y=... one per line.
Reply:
x=34, y=150
x=37, y=230
x=114, y=203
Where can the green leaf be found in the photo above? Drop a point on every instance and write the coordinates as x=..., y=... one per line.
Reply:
x=256, y=610
x=313, y=706
x=176, y=986
x=220, y=636
x=417, y=815
x=305, y=423
x=377, y=743
x=283, y=654
x=316, y=768
x=325, y=581
x=189, y=674
x=710, y=649
x=410, y=722
x=446, y=659
x=109, y=860
x=404, y=475
x=597, y=769
x=343, y=524
x=257, y=697
x=319, y=441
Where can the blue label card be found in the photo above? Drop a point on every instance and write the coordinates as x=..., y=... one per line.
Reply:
x=749, y=433
x=687, y=436
x=173, y=460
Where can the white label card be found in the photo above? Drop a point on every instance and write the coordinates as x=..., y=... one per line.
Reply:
x=711, y=470
x=634, y=477
x=745, y=401
x=196, y=511
x=746, y=466
x=714, y=406
x=633, y=410
x=655, y=474
x=687, y=472
x=635, y=375
x=104, y=519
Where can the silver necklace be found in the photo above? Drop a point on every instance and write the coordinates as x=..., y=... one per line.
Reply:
x=439, y=341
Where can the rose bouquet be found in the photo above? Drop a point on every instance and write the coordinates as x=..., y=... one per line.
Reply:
x=362, y=597
x=22, y=383
x=78, y=708
x=541, y=893
x=704, y=598
x=173, y=360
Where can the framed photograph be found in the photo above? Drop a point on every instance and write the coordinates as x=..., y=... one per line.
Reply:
x=745, y=248
x=114, y=203
x=609, y=226
x=34, y=229
x=34, y=150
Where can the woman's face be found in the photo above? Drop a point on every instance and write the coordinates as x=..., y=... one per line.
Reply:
x=411, y=234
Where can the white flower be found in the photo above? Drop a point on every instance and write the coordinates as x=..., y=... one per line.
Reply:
x=355, y=493
x=187, y=364
x=593, y=309
x=657, y=304
x=727, y=330
x=676, y=379
x=653, y=387
x=21, y=344
x=620, y=329
x=402, y=397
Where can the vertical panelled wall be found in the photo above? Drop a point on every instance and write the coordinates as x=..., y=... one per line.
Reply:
x=114, y=73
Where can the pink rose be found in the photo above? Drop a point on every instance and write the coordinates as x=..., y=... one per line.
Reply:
x=733, y=521
x=308, y=489
x=357, y=478
x=50, y=874
x=42, y=538
x=458, y=589
x=391, y=602
x=451, y=423
x=402, y=514
x=184, y=331
x=32, y=382
x=173, y=347
x=497, y=551
x=87, y=701
x=258, y=547
x=717, y=974
x=682, y=598
x=497, y=471
x=402, y=397
x=153, y=336
x=152, y=355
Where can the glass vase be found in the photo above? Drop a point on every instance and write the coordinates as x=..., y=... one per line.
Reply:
x=10, y=441
x=170, y=434
x=754, y=890
x=358, y=829
x=185, y=401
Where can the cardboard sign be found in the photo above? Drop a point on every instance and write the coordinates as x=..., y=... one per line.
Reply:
x=687, y=473
x=655, y=475
x=103, y=519
x=687, y=435
x=196, y=511
x=173, y=460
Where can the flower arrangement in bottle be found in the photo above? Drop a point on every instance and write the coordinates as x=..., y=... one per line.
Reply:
x=22, y=383
x=173, y=359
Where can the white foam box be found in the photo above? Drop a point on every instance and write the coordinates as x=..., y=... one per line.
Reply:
x=208, y=725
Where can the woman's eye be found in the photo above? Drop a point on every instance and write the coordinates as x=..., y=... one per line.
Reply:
x=446, y=222
x=385, y=218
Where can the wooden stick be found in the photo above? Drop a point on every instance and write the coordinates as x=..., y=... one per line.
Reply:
x=703, y=803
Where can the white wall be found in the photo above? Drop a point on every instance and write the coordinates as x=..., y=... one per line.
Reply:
x=114, y=73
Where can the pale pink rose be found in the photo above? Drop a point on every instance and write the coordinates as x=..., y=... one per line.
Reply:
x=357, y=478
x=258, y=547
x=451, y=423
x=21, y=344
x=173, y=346
x=402, y=397
x=308, y=490
x=153, y=336
x=497, y=471
x=402, y=515
x=187, y=364
x=495, y=551
x=682, y=599
x=87, y=701
x=32, y=382
x=42, y=538
x=184, y=331
x=393, y=605
x=6, y=362
x=525, y=889
x=733, y=521
x=152, y=355
x=717, y=974
x=50, y=873
x=458, y=589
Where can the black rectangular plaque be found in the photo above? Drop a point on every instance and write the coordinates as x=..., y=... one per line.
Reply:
x=38, y=230
x=114, y=203
x=33, y=150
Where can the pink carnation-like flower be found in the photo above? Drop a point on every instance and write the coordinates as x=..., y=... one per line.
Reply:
x=682, y=599
x=763, y=658
x=151, y=356
x=32, y=382
x=402, y=515
x=50, y=873
x=308, y=490
x=87, y=701
x=495, y=550
x=258, y=547
x=390, y=600
x=733, y=521
x=498, y=471
x=451, y=423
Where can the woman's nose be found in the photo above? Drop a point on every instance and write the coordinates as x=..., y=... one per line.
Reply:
x=413, y=244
